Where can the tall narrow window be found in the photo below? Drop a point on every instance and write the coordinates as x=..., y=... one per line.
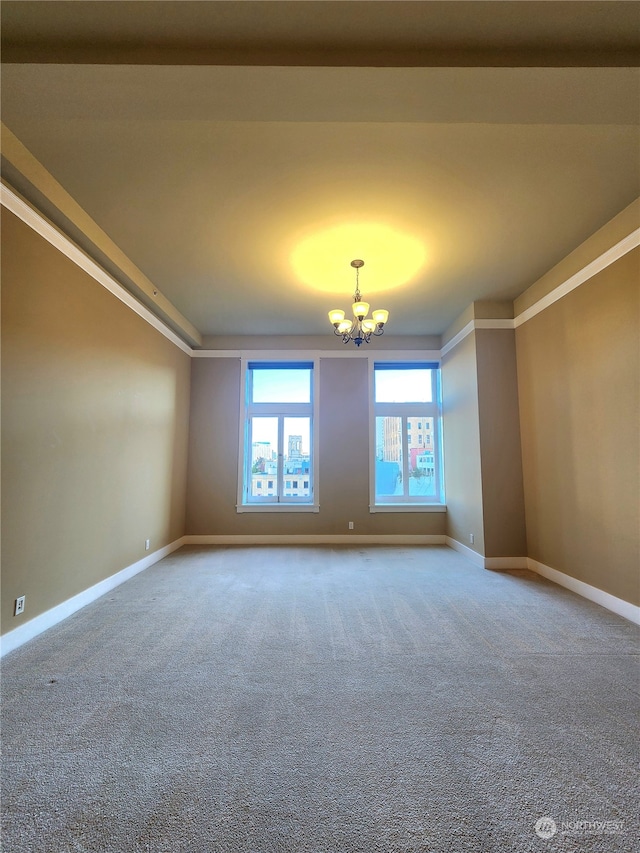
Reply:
x=407, y=413
x=278, y=463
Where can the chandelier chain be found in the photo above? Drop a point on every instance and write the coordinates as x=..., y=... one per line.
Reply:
x=357, y=297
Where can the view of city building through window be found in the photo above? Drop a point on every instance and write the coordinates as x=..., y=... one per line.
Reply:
x=278, y=439
x=407, y=445
x=389, y=456
x=296, y=460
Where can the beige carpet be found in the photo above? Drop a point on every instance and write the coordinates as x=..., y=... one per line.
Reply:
x=267, y=700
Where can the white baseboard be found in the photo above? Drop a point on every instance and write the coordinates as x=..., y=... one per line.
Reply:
x=476, y=558
x=13, y=639
x=505, y=563
x=315, y=539
x=604, y=599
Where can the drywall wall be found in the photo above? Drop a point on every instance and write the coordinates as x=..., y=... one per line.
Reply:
x=94, y=429
x=463, y=477
x=578, y=373
x=343, y=486
x=500, y=454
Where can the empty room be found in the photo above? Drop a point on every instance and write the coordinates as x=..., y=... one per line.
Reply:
x=320, y=407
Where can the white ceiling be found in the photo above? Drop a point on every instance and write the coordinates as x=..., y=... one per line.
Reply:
x=210, y=140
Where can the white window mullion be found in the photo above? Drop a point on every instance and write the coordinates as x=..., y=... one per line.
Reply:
x=248, y=462
x=280, y=466
x=405, y=457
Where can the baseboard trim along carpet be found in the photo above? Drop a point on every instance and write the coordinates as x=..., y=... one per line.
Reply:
x=604, y=599
x=316, y=539
x=13, y=639
x=476, y=558
x=505, y=563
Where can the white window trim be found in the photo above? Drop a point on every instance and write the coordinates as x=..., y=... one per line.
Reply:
x=435, y=507
x=396, y=506
x=278, y=507
x=294, y=504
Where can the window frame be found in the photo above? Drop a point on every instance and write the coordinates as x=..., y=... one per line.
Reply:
x=433, y=409
x=248, y=410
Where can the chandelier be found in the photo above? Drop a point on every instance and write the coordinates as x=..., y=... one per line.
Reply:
x=361, y=327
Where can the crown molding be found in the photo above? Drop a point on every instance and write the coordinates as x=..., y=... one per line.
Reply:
x=26, y=175
x=613, y=254
x=631, y=241
x=24, y=211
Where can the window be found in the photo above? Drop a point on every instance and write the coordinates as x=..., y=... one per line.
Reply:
x=278, y=436
x=407, y=467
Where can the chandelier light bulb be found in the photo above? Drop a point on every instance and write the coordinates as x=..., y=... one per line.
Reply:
x=360, y=309
x=380, y=316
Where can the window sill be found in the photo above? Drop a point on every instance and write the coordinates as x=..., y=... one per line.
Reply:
x=408, y=508
x=276, y=507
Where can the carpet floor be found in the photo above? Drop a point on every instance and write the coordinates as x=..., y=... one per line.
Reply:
x=324, y=700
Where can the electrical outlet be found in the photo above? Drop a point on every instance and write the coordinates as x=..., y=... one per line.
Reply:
x=147, y=544
x=19, y=608
x=351, y=525
x=472, y=538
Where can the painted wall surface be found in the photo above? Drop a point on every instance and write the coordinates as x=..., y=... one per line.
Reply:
x=578, y=371
x=463, y=477
x=343, y=459
x=94, y=429
x=500, y=453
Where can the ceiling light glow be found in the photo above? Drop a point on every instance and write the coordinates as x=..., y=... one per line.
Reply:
x=321, y=260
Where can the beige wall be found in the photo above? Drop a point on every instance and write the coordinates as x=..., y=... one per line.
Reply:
x=500, y=455
x=94, y=429
x=578, y=372
x=463, y=476
x=343, y=459
x=482, y=458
